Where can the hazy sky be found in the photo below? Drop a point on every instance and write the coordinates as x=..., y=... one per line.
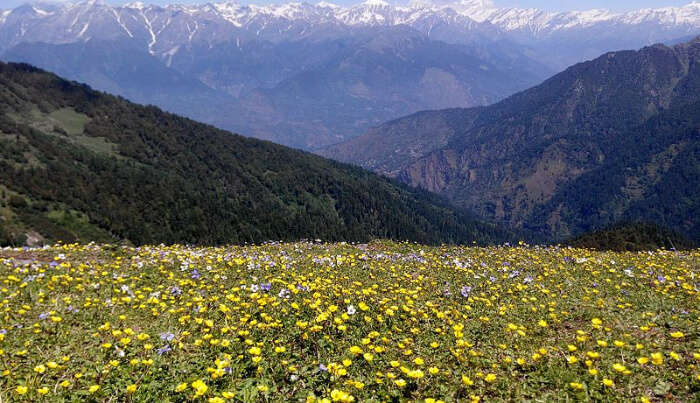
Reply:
x=617, y=5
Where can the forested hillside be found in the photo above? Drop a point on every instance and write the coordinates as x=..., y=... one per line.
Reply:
x=614, y=139
x=76, y=164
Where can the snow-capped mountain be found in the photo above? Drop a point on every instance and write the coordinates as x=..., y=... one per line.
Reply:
x=312, y=74
x=162, y=27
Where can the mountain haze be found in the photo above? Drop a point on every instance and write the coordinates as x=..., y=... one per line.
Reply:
x=310, y=75
x=612, y=139
x=297, y=74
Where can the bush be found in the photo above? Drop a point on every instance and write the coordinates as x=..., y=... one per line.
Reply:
x=17, y=202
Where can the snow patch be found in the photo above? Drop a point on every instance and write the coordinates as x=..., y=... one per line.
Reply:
x=137, y=5
x=191, y=31
x=41, y=12
x=231, y=12
x=376, y=3
x=325, y=4
x=150, y=31
x=169, y=55
x=82, y=31
x=117, y=16
x=3, y=15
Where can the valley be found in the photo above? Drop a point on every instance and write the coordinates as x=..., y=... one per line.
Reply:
x=591, y=146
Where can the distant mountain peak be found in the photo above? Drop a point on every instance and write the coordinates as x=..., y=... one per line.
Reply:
x=376, y=3
x=325, y=4
x=91, y=3
x=138, y=5
x=381, y=12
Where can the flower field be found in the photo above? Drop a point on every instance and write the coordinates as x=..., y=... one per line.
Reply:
x=340, y=322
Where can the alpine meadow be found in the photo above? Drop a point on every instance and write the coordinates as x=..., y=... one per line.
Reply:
x=409, y=201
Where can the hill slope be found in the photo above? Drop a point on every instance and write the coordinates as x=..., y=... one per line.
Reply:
x=78, y=164
x=631, y=237
x=607, y=140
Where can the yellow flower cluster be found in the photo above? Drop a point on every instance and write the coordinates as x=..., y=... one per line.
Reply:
x=342, y=323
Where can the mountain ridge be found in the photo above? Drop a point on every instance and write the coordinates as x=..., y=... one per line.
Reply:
x=512, y=161
x=536, y=22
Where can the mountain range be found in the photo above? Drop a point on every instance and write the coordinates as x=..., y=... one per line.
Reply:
x=310, y=75
x=613, y=139
x=80, y=165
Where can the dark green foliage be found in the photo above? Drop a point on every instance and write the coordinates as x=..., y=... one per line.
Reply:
x=632, y=237
x=17, y=202
x=10, y=236
x=662, y=156
x=175, y=180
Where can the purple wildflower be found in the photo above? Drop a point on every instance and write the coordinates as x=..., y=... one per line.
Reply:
x=167, y=336
x=165, y=349
x=465, y=291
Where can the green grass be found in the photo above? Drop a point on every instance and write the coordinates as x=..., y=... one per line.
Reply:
x=68, y=123
x=70, y=120
x=98, y=145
